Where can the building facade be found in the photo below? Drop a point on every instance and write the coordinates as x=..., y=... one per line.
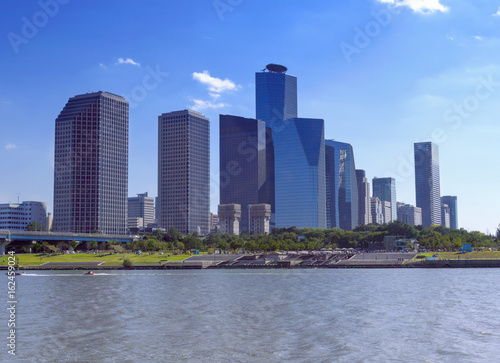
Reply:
x=276, y=102
x=300, y=193
x=376, y=209
x=445, y=215
x=16, y=217
x=451, y=201
x=364, y=198
x=229, y=218
x=242, y=163
x=427, y=183
x=91, y=165
x=409, y=214
x=342, y=201
x=184, y=171
x=142, y=207
x=260, y=217
x=385, y=190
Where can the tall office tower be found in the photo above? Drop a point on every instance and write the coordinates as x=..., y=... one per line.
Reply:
x=364, y=200
x=385, y=190
x=184, y=171
x=242, y=163
x=445, y=215
x=427, y=188
x=376, y=209
x=409, y=214
x=91, y=165
x=17, y=216
x=452, y=204
x=299, y=153
x=143, y=207
x=341, y=186
x=276, y=101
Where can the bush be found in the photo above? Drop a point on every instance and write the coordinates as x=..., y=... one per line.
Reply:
x=127, y=262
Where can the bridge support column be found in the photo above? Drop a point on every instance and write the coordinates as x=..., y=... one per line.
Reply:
x=3, y=243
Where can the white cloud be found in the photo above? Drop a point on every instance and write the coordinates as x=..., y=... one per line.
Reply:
x=477, y=37
x=128, y=61
x=202, y=105
x=419, y=6
x=103, y=66
x=10, y=146
x=214, y=95
x=215, y=85
x=497, y=13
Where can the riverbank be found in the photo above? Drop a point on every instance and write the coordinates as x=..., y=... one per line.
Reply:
x=274, y=260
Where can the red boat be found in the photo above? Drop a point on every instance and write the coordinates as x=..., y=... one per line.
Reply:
x=89, y=273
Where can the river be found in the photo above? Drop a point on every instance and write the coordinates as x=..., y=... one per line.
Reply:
x=351, y=315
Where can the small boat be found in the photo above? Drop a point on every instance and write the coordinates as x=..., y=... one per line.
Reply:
x=89, y=273
x=17, y=273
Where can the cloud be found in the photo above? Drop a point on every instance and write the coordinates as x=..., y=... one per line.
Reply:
x=128, y=61
x=497, y=13
x=477, y=37
x=202, y=105
x=215, y=85
x=10, y=146
x=103, y=66
x=419, y=6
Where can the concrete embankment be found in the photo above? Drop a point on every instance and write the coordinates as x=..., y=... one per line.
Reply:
x=484, y=263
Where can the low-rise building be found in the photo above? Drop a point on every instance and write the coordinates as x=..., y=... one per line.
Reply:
x=16, y=217
x=260, y=217
x=229, y=218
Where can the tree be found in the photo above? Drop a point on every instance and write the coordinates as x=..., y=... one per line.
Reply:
x=498, y=232
x=73, y=244
x=35, y=227
x=127, y=263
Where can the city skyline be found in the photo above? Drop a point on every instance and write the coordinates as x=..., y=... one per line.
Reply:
x=412, y=79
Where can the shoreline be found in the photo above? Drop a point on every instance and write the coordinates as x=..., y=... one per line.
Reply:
x=484, y=263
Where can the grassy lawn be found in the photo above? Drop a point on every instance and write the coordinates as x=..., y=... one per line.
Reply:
x=463, y=256
x=109, y=260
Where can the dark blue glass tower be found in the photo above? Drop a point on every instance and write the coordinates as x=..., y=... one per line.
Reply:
x=299, y=154
x=427, y=187
x=385, y=190
x=341, y=186
x=242, y=156
x=276, y=101
x=452, y=203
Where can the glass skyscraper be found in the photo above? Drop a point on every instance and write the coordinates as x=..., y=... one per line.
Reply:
x=184, y=171
x=364, y=199
x=452, y=204
x=341, y=186
x=276, y=101
x=299, y=152
x=91, y=165
x=242, y=163
x=427, y=185
x=385, y=190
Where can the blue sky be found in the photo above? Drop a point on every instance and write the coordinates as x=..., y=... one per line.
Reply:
x=383, y=74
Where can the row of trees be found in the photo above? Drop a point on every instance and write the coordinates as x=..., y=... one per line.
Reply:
x=294, y=239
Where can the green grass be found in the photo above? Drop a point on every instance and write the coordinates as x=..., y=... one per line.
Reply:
x=463, y=256
x=109, y=260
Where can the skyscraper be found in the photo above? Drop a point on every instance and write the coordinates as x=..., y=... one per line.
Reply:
x=341, y=185
x=184, y=171
x=143, y=207
x=299, y=153
x=242, y=163
x=427, y=187
x=452, y=204
x=276, y=101
x=364, y=200
x=91, y=165
x=385, y=190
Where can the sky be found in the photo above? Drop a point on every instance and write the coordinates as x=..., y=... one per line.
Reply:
x=383, y=74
